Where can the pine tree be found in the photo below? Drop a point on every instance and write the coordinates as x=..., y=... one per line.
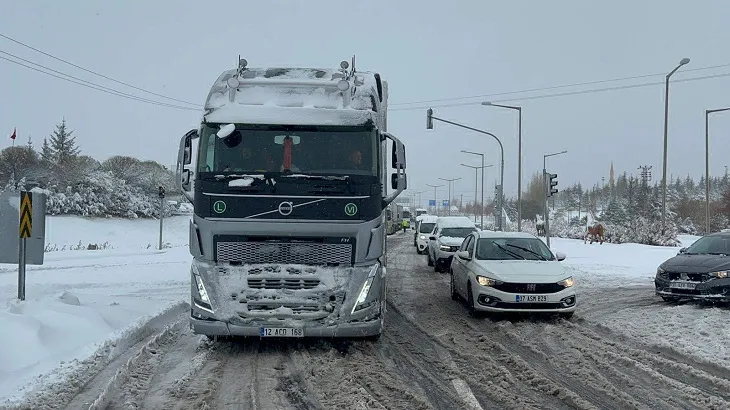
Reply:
x=63, y=145
x=47, y=153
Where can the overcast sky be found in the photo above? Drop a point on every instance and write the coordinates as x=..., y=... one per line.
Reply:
x=425, y=50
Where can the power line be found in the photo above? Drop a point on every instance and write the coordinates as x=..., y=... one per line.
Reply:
x=94, y=72
x=116, y=92
x=636, y=77
x=569, y=93
x=98, y=87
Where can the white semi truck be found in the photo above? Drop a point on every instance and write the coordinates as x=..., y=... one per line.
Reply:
x=290, y=174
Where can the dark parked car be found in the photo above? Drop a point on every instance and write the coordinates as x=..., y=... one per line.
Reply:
x=698, y=272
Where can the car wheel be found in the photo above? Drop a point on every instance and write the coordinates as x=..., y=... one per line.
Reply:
x=454, y=295
x=436, y=267
x=470, y=301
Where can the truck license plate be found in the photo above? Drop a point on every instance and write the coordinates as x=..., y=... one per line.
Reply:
x=531, y=298
x=281, y=332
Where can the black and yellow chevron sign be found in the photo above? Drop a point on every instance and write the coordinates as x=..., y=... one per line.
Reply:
x=26, y=214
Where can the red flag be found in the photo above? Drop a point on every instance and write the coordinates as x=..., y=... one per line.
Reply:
x=12, y=137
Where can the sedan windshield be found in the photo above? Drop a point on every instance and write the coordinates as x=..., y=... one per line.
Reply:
x=713, y=245
x=457, y=232
x=426, y=227
x=512, y=248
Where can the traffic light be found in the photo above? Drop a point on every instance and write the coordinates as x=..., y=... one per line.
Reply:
x=429, y=119
x=552, y=184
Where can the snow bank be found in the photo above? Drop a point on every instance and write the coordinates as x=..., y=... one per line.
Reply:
x=80, y=301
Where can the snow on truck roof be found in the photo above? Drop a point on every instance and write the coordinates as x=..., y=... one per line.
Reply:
x=308, y=96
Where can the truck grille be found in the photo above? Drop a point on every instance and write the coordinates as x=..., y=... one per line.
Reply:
x=310, y=251
x=276, y=283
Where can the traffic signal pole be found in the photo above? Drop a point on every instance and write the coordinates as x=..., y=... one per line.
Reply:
x=550, y=190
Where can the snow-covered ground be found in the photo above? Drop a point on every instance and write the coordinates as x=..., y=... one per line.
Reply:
x=84, y=308
x=617, y=284
x=82, y=303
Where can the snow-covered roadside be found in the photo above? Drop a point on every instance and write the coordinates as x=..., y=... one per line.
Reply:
x=80, y=305
x=617, y=292
x=602, y=265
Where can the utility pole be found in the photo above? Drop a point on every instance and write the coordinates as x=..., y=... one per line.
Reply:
x=450, y=181
x=435, y=200
x=645, y=178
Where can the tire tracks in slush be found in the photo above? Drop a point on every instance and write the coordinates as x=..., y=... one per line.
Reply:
x=582, y=363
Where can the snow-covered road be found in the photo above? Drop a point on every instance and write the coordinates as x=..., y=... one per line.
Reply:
x=624, y=349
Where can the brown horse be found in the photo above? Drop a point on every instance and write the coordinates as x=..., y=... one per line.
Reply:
x=595, y=232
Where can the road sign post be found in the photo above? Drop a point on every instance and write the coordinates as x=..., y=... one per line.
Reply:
x=161, y=194
x=25, y=231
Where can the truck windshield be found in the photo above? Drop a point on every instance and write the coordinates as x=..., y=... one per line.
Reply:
x=317, y=150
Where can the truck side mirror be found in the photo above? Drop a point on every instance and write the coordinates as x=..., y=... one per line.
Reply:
x=185, y=157
x=398, y=180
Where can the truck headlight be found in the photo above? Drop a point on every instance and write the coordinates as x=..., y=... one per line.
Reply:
x=365, y=290
x=719, y=274
x=202, y=292
x=567, y=283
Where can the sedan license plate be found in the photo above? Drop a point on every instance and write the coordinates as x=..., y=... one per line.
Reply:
x=531, y=298
x=682, y=285
x=281, y=332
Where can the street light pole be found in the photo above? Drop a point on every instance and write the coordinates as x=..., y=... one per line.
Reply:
x=666, y=122
x=707, y=166
x=481, y=206
x=435, y=200
x=429, y=125
x=476, y=179
x=546, y=212
x=450, y=181
x=519, y=158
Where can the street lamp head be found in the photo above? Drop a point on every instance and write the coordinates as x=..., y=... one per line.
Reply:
x=429, y=119
x=563, y=152
x=486, y=103
x=684, y=61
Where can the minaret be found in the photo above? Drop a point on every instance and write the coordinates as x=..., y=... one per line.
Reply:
x=611, y=181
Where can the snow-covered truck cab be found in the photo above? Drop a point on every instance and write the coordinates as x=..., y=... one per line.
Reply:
x=289, y=188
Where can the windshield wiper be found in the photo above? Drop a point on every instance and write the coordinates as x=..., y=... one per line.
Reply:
x=324, y=177
x=509, y=252
x=528, y=250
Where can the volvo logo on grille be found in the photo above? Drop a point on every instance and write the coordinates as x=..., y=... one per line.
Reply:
x=286, y=208
x=531, y=287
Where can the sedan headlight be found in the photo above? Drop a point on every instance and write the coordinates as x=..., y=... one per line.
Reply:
x=485, y=281
x=719, y=274
x=567, y=283
x=422, y=237
x=445, y=248
x=659, y=270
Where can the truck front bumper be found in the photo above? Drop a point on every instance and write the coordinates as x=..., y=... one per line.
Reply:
x=318, y=301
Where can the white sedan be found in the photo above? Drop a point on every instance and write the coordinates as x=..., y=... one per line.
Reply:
x=511, y=272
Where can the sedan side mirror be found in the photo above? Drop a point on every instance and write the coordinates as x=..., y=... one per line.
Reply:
x=681, y=251
x=464, y=255
x=560, y=256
